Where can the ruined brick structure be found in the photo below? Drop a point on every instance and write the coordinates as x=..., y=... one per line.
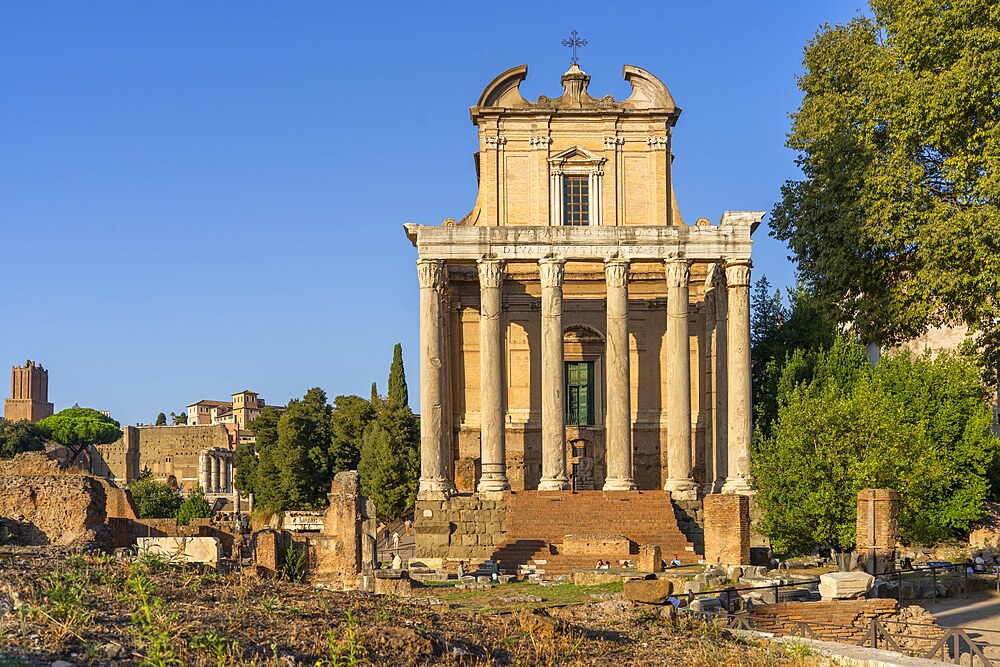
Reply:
x=727, y=529
x=29, y=393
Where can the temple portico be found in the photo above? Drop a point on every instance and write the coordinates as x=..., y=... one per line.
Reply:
x=721, y=253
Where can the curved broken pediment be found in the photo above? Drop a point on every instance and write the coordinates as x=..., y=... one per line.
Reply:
x=503, y=91
x=648, y=92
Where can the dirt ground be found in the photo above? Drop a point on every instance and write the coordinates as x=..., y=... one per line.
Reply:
x=95, y=610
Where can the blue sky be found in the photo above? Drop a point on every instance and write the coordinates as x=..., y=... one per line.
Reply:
x=197, y=198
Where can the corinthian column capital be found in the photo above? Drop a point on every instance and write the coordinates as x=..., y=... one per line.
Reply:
x=678, y=272
x=738, y=273
x=552, y=271
x=429, y=272
x=490, y=272
x=616, y=272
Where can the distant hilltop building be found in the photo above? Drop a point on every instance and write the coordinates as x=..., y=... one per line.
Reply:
x=243, y=409
x=29, y=393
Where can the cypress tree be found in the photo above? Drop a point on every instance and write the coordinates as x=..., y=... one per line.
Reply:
x=398, y=395
x=376, y=401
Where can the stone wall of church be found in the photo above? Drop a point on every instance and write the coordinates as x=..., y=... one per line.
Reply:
x=584, y=320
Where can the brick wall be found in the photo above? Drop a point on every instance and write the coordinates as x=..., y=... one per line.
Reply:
x=882, y=505
x=727, y=529
x=461, y=527
x=847, y=621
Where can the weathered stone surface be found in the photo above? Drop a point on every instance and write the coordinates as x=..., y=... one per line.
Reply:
x=595, y=577
x=182, y=549
x=46, y=504
x=845, y=585
x=650, y=558
x=648, y=591
x=604, y=546
x=346, y=549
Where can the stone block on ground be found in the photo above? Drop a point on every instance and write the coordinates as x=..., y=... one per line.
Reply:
x=182, y=549
x=650, y=558
x=593, y=577
x=845, y=585
x=648, y=591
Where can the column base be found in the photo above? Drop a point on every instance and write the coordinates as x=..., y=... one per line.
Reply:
x=554, y=484
x=619, y=485
x=492, y=486
x=435, y=489
x=739, y=486
x=682, y=489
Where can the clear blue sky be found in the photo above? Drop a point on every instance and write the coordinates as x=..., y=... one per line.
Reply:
x=202, y=197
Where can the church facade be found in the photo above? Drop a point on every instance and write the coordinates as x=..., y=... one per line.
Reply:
x=575, y=332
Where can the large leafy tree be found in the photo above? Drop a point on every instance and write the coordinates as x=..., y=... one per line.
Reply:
x=304, y=444
x=919, y=426
x=79, y=428
x=19, y=436
x=896, y=218
x=161, y=420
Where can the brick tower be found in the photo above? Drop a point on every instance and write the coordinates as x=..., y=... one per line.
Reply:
x=29, y=393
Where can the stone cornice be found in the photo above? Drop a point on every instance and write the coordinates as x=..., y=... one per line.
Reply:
x=727, y=242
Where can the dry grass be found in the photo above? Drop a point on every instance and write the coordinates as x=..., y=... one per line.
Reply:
x=97, y=611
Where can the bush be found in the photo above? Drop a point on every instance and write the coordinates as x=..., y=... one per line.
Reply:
x=194, y=507
x=154, y=500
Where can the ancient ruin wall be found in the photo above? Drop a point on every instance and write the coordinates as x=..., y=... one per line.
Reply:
x=461, y=527
x=168, y=451
x=43, y=504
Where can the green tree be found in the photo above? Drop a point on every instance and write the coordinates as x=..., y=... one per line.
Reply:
x=390, y=449
x=79, y=428
x=19, y=436
x=154, y=500
x=264, y=481
x=895, y=220
x=777, y=333
x=178, y=418
x=244, y=468
x=194, y=507
x=398, y=394
x=304, y=443
x=916, y=425
x=351, y=414
x=161, y=420
x=376, y=400
x=390, y=462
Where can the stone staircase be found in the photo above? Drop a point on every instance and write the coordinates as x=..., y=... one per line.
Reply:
x=537, y=521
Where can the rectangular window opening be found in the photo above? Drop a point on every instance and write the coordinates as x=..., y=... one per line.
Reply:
x=576, y=200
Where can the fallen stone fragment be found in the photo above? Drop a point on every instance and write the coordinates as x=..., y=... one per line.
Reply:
x=648, y=591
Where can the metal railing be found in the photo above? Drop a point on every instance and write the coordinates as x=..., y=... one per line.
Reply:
x=954, y=645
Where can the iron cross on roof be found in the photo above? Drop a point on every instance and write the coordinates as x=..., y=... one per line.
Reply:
x=574, y=42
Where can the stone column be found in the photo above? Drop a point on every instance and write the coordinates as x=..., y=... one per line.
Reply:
x=203, y=476
x=708, y=399
x=554, y=477
x=215, y=472
x=492, y=455
x=738, y=348
x=618, y=419
x=680, y=481
x=720, y=379
x=224, y=465
x=435, y=480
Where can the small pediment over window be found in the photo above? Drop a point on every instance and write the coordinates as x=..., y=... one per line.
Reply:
x=576, y=157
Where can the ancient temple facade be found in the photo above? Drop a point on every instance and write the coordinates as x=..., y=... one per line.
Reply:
x=575, y=332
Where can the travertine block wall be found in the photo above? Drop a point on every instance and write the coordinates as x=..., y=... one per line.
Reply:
x=460, y=527
x=727, y=529
x=168, y=451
